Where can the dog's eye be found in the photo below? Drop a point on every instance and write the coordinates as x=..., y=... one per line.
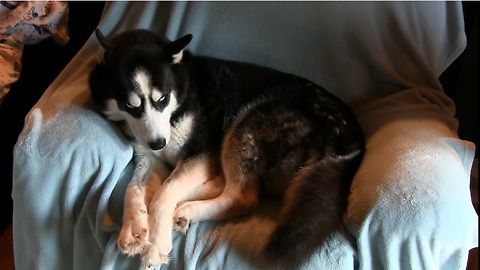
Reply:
x=158, y=97
x=160, y=100
x=131, y=106
x=133, y=109
x=134, y=101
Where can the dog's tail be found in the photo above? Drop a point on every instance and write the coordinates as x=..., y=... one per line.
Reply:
x=313, y=210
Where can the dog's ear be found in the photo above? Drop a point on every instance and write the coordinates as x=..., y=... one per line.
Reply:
x=107, y=45
x=175, y=48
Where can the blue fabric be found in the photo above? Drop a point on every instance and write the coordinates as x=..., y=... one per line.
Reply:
x=410, y=204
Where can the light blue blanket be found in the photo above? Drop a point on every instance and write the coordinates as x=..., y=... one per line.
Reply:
x=410, y=204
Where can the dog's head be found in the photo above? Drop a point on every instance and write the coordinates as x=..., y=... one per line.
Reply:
x=138, y=82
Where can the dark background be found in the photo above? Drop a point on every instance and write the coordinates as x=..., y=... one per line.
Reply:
x=44, y=61
x=41, y=64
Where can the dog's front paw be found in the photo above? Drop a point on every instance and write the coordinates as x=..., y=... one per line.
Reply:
x=156, y=255
x=133, y=238
x=181, y=218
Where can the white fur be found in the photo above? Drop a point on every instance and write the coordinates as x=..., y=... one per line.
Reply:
x=142, y=81
x=150, y=233
x=179, y=135
x=134, y=100
x=157, y=95
x=177, y=58
x=113, y=112
x=186, y=184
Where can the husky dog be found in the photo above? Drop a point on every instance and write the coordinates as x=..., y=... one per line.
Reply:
x=230, y=132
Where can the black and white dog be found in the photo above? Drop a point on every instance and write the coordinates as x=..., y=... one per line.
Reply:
x=230, y=131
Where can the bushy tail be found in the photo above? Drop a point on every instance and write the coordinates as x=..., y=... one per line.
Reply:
x=313, y=209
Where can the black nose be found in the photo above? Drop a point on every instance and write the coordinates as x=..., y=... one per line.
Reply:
x=158, y=144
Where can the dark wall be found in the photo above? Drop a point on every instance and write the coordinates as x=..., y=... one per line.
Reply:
x=460, y=80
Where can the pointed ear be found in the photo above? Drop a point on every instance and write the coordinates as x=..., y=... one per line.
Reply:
x=175, y=48
x=107, y=45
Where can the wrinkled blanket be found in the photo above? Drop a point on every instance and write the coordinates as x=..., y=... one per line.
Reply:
x=410, y=203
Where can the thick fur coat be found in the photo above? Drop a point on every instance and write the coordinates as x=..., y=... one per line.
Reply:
x=232, y=133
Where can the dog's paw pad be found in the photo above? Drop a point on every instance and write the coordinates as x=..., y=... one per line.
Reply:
x=182, y=217
x=153, y=258
x=132, y=240
x=181, y=224
x=159, y=260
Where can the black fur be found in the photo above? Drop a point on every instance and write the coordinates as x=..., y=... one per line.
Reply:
x=304, y=136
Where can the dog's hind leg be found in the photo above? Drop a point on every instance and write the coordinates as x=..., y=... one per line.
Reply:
x=240, y=195
x=234, y=201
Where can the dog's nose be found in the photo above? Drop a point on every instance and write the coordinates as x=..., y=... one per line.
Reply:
x=158, y=144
